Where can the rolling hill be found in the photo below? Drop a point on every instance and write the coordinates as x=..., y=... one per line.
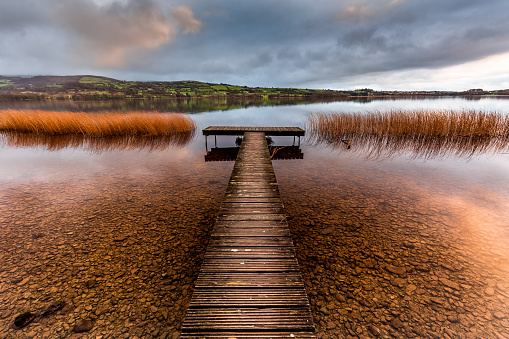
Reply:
x=91, y=87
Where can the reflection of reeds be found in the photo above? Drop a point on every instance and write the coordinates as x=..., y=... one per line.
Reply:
x=95, y=131
x=95, y=124
x=93, y=144
x=419, y=133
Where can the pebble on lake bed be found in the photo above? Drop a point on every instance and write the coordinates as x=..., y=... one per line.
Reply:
x=83, y=325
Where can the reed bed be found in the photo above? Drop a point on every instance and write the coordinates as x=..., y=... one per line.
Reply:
x=95, y=124
x=419, y=133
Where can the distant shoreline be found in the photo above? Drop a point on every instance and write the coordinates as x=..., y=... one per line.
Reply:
x=96, y=88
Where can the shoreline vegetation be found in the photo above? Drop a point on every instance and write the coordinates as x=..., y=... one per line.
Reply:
x=102, y=124
x=419, y=133
x=93, y=88
x=95, y=132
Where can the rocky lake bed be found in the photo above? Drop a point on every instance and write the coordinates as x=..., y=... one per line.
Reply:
x=385, y=257
x=382, y=256
x=123, y=252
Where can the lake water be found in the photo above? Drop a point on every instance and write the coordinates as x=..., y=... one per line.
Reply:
x=396, y=246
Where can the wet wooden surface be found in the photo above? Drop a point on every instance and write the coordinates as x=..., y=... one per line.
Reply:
x=240, y=130
x=249, y=285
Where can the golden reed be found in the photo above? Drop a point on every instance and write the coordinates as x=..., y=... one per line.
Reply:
x=95, y=124
x=96, y=132
x=418, y=133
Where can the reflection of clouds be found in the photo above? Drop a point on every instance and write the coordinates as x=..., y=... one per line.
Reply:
x=483, y=219
x=97, y=144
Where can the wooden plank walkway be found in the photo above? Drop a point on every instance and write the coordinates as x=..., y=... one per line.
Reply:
x=240, y=130
x=250, y=285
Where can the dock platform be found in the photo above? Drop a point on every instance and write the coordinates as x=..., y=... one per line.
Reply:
x=249, y=284
x=240, y=130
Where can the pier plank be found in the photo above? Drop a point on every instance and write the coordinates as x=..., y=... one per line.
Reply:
x=249, y=252
x=249, y=280
x=251, y=319
x=250, y=232
x=250, y=241
x=249, y=298
x=248, y=335
x=251, y=224
x=249, y=265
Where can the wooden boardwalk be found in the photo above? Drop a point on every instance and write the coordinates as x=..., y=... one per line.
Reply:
x=250, y=285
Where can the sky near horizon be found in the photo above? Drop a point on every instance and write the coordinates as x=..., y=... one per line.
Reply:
x=340, y=44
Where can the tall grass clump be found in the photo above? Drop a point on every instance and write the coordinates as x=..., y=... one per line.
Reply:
x=422, y=133
x=95, y=124
x=95, y=131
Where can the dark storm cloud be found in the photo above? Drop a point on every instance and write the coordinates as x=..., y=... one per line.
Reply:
x=426, y=34
x=303, y=42
x=273, y=43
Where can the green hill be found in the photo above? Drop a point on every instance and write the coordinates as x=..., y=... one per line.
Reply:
x=90, y=87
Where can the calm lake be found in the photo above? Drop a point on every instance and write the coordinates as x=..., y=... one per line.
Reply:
x=393, y=245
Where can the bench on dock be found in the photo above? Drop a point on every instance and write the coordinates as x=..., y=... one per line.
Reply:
x=249, y=284
x=240, y=130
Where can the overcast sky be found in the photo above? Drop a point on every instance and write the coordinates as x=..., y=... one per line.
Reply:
x=340, y=44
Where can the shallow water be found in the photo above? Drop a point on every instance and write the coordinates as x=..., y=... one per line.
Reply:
x=400, y=247
x=380, y=241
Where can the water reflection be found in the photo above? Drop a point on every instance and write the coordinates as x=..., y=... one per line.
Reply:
x=276, y=152
x=399, y=249
x=188, y=105
x=374, y=147
x=95, y=144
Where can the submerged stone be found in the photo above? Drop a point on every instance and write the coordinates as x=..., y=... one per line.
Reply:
x=83, y=325
x=23, y=319
x=396, y=270
x=53, y=308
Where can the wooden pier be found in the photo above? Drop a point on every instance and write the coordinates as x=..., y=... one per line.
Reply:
x=250, y=285
x=238, y=131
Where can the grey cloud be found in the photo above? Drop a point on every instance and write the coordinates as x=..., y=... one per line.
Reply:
x=20, y=15
x=261, y=60
x=216, y=67
x=364, y=36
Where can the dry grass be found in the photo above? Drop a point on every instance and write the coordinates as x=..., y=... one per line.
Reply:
x=422, y=133
x=95, y=124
